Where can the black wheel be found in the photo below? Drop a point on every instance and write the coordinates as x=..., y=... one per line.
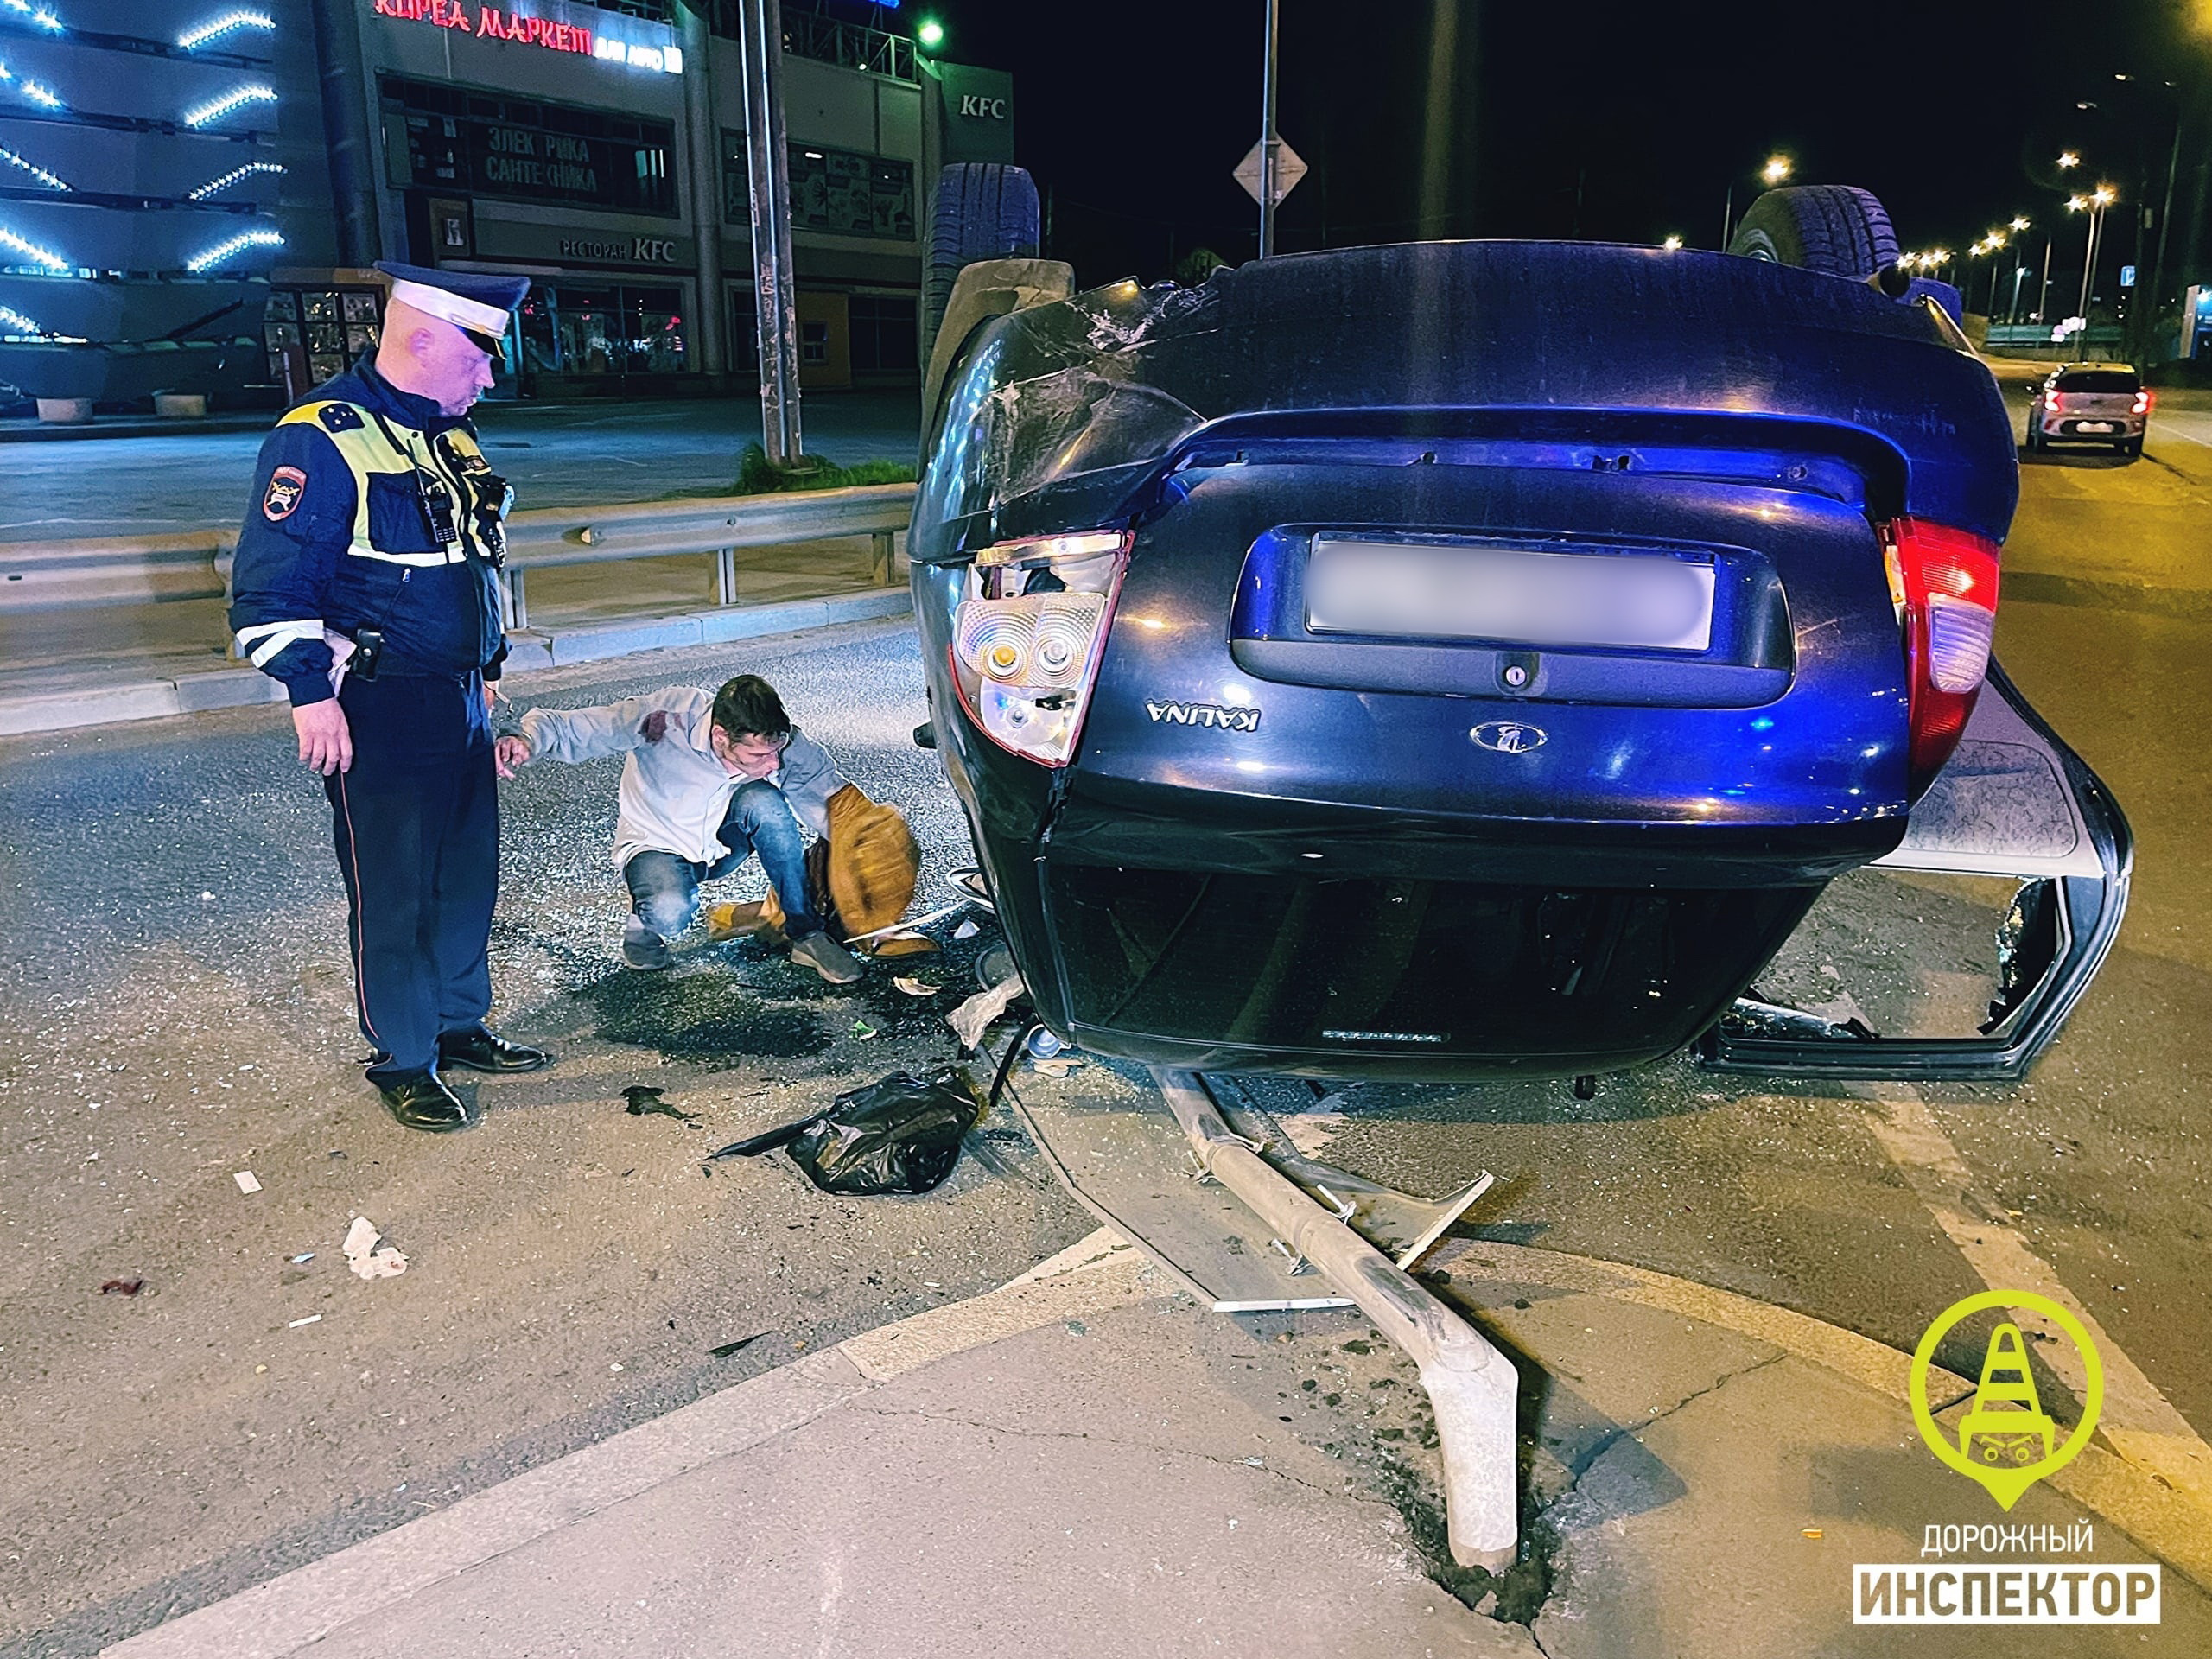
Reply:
x=984, y=210
x=1837, y=228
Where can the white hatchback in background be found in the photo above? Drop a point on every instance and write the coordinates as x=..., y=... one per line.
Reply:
x=2090, y=403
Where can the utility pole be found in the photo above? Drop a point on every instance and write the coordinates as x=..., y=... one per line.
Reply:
x=708, y=330
x=1267, y=140
x=2165, y=219
x=767, y=165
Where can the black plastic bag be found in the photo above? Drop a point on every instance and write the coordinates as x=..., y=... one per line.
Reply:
x=901, y=1134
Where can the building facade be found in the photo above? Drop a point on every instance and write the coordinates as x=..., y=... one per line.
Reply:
x=596, y=146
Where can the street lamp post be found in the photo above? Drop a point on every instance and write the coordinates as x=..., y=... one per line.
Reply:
x=1777, y=171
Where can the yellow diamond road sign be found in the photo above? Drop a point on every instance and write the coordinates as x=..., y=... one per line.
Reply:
x=1289, y=169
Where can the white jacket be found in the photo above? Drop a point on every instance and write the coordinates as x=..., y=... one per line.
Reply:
x=674, y=792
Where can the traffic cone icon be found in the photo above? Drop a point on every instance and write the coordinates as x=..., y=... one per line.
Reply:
x=2006, y=1431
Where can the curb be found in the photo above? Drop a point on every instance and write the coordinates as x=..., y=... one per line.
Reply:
x=1097, y=1273
x=239, y=688
x=303, y=1606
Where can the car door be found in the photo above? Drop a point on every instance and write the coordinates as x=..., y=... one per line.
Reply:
x=2014, y=802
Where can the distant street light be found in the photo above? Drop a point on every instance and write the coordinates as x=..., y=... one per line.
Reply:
x=2096, y=202
x=929, y=33
x=2069, y=158
x=1779, y=167
x=1672, y=245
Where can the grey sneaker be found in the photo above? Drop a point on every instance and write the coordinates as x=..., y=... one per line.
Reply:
x=827, y=957
x=645, y=951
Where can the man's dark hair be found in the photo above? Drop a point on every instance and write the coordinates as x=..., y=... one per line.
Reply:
x=748, y=707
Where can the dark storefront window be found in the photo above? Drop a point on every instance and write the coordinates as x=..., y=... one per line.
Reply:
x=485, y=144
x=587, y=327
x=884, y=342
x=832, y=190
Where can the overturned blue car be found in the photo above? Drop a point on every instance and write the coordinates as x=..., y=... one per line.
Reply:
x=1475, y=659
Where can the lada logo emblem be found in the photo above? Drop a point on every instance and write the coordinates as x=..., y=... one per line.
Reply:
x=1509, y=736
x=1204, y=713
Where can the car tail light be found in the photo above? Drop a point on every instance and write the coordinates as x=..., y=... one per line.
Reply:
x=1945, y=583
x=2057, y=403
x=1026, y=640
x=2142, y=402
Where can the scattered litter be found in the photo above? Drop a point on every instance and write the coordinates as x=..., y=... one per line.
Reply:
x=863, y=1031
x=207, y=898
x=301, y=1259
x=259, y=1370
x=974, y=1017
x=1811, y=1532
x=904, y=945
x=1043, y=1044
x=312, y=1318
x=967, y=930
x=1256, y=1463
x=644, y=1101
x=728, y=1348
x=123, y=1286
x=899, y=1134
x=246, y=1182
x=1059, y=1068
x=616, y=1366
x=916, y=987
x=367, y=1256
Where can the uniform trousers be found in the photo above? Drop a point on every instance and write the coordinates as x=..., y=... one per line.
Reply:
x=417, y=823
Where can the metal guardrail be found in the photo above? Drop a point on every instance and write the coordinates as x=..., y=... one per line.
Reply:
x=157, y=570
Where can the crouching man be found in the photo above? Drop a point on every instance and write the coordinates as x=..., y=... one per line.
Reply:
x=709, y=781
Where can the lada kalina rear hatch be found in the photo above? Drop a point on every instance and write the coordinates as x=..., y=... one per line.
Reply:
x=1474, y=659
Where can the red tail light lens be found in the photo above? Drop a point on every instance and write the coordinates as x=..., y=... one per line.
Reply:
x=2057, y=403
x=1028, y=637
x=2143, y=402
x=1945, y=582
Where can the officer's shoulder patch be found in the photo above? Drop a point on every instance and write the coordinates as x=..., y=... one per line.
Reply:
x=282, y=498
x=338, y=417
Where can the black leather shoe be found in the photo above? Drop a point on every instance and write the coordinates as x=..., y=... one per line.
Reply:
x=481, y=1051
x=420, y=1100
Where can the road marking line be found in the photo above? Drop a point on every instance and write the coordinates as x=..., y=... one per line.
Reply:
x=2140, y=1422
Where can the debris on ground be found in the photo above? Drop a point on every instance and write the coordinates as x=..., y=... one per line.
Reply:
x=975, y=1016
x=246, y=1181
x=916, y=987
x=901, y=1134
x=967, y=930
x=728, y=1348
x=904, y=945
x=123, y=1286
x=312, y=1318
x=367, y=1256
x=1056, y=1068
x=863, y=1031
x=643, y=1099
x=301, y=1259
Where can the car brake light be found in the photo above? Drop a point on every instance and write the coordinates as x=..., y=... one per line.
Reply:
x=1026, y=640
x=1945, y=582
x=2057, y=402
x=2142, y=402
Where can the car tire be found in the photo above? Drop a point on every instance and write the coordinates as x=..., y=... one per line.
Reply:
x=984, y=210
x=1837, y=228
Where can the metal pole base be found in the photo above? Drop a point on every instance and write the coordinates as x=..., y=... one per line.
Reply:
x=1472, y=1387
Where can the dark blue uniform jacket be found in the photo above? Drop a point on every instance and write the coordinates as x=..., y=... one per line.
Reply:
x=299, y=569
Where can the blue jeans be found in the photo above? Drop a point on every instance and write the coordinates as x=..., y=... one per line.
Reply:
x=665, y=888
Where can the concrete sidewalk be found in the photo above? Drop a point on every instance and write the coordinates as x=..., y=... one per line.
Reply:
x=1080, y=1463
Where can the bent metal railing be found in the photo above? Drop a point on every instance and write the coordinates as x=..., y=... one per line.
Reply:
x=196, y=564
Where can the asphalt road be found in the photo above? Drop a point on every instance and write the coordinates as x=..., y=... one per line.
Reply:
x=177, y=1010
x=558, y=455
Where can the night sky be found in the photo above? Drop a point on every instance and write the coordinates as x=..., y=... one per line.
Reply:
x=1432, y=118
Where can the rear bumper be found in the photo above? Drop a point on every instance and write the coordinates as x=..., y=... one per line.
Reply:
x=1329, y=942
x=2112, y=429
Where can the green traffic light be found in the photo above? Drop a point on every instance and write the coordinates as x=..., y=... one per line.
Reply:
x=931, y=34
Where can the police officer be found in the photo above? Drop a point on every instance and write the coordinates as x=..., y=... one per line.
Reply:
x=366, y=582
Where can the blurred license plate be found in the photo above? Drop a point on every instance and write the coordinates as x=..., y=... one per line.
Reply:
x=2093, y=426
x=1446, y=591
